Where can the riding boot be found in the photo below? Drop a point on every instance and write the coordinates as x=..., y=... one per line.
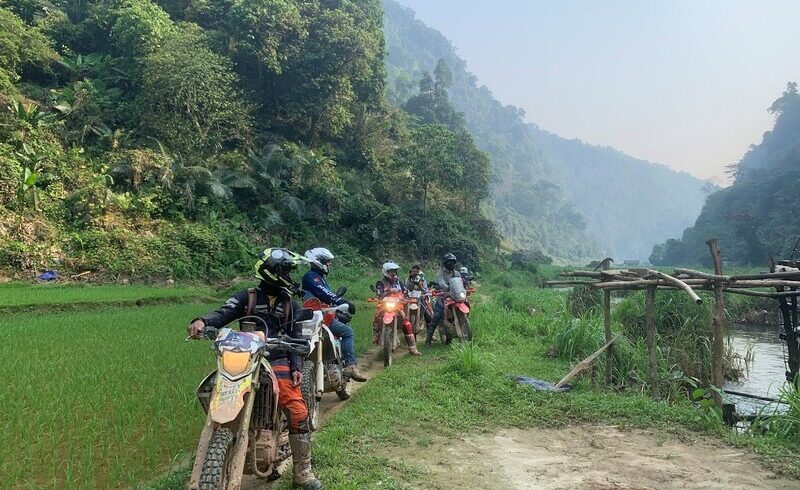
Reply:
x=429, y=336
x=303, y=477
x=412, y=345
x=352, y=372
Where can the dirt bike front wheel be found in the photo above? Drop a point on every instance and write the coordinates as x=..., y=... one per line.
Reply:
x=214, y=474
x=309, y=390
x=466, y=328
x=387, y=344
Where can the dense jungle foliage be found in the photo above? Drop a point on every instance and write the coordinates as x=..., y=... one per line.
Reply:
x=756, y=217
x=546, y=192
x=176, y=138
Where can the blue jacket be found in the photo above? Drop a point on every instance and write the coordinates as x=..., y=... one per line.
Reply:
x=314, y=284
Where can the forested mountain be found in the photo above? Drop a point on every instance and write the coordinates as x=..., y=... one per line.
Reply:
x=757, y=216
x=154, y=138
x=629, y=204
x=548, y=192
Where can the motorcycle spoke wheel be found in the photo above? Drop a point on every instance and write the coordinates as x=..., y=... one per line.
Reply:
x=214, y=474
x=309, y=390
x=387, y=342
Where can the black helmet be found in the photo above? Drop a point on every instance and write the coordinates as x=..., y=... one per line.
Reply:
x=449, y=261
x=275, y=266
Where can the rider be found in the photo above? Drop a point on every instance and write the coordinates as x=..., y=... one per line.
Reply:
x=466, y=276
x=272, y=302
x=416, y=282
x=315, y=286
x=442, y=283
x=389, y=283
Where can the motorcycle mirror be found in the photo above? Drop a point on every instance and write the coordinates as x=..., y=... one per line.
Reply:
x=304, y=314
x=341, y=291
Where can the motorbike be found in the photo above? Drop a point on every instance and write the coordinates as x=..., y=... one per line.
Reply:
x=390, y=314
x=244, y=432
x=415, y=313
x=323, y=370
x=455, y=322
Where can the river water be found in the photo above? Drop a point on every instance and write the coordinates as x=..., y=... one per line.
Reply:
x=766, y=374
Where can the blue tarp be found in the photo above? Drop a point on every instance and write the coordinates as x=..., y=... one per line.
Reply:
x=47, y=276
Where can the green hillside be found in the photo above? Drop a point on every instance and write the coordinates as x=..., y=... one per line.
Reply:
x=167, y=138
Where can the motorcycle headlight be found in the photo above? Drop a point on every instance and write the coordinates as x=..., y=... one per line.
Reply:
x=462, y=294
x=235, y=363
x=390, y=305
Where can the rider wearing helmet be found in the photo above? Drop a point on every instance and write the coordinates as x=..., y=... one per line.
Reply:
x=316, y=286
x=390, y=283
x=466, y=276
x=272, y=302
x=442, y=283
x=416, y=282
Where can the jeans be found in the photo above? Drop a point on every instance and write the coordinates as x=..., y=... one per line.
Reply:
x=438, y=314
x=345, y=332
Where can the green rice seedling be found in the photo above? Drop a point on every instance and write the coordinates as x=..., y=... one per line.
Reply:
x=19, y=295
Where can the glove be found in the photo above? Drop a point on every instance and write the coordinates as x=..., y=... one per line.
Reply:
x=351, y=307
x=344, y=316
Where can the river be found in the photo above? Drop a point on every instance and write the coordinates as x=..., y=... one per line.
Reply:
x=765, y=376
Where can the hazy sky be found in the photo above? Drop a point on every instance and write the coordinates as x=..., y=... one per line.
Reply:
x=683, y=83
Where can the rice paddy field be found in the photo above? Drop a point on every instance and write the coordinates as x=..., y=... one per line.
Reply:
x=98, y=388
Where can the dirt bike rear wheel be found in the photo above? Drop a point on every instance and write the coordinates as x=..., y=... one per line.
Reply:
x=346, y=391
x=387, y=344
x=309, y=390
x=214, y=474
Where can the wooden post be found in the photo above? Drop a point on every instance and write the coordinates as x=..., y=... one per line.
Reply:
x=719, y=320
x=607, y=325
x=651, y=341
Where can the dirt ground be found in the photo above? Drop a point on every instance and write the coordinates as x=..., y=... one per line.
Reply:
x=577, y=457
x=370, y=365
x=588, y=457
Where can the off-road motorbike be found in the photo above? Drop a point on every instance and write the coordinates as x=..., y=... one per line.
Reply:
x=323, y=370
x=415, y=312
x=455, y=322
x=245, y=432
x=390, y=316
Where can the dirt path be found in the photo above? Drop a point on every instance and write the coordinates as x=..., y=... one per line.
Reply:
x=589, y=457
x=370, y=364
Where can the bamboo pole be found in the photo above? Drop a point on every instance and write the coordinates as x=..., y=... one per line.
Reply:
x=569, y=283
x=719, y=318
x=679, y=284
x=765, y=275
x=607, y=328
x=702, y=275
x=651, y=342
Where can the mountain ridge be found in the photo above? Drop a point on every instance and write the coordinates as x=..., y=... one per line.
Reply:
x=535, y=202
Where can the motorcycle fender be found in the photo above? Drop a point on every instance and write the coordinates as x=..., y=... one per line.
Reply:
x=228, y=398
x=463, y=307
x=388, y=318
x=330, y=352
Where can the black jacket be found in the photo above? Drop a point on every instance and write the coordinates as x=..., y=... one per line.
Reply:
x=274, y=306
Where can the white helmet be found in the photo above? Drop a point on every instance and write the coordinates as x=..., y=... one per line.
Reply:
x=390, y=266
x=319, y=257
x=464, y=270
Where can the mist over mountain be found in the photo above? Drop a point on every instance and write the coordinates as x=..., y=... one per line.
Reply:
x=567, y=198
x=756, y=217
